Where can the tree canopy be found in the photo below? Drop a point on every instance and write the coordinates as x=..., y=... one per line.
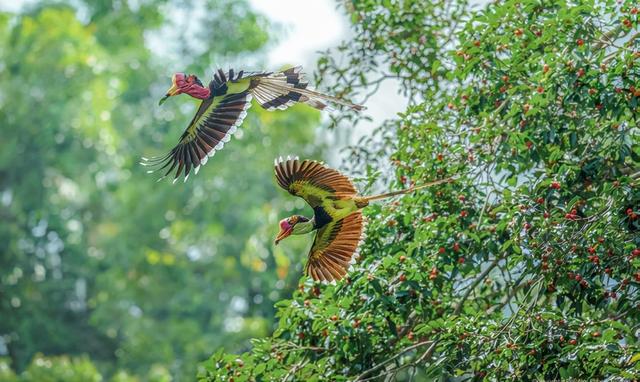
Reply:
x=528, y=265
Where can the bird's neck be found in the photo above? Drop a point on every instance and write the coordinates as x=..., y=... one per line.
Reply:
x=197, y=91
x=305, y=227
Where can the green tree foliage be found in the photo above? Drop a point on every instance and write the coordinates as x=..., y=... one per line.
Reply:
x=528, y=265
x=96, y=257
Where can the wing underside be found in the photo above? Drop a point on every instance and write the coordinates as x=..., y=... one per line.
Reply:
x=206, y=134
x=334, y=247
x=312, y=181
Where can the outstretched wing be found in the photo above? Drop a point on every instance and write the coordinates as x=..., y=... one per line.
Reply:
x=213, y=125
x=312, y=181
x=279, y=90
x=333, y=248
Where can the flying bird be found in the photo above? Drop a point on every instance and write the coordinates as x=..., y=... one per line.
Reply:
x=337, y=219
x=224, y=106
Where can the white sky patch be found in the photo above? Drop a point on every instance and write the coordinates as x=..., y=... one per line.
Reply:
x=313, y=27
x=309, y=27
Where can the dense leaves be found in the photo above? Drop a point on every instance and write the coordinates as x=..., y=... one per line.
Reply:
x=528, y=265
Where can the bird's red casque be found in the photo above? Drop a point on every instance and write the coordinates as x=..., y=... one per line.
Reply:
x=284, y=225
x=190, y=85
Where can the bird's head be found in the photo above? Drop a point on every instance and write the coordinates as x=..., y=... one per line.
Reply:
x=293, y=225
x=188, y=84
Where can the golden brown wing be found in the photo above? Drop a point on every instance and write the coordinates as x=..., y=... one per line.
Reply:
x=312, y=181
x=333, y=248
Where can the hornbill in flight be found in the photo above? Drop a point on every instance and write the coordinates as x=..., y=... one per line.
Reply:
x=224, y=106
x=337, y=219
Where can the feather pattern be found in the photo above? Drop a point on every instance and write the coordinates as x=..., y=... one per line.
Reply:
x=213, y=126
x=312, y=181
x=334, y=247
x=280, y=90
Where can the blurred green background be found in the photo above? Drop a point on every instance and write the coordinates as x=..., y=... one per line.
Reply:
x=103, y=271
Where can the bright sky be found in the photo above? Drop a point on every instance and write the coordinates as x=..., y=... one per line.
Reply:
x=317, y=26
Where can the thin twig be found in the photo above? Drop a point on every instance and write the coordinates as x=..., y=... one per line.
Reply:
x=475, y=283
x=397, y=355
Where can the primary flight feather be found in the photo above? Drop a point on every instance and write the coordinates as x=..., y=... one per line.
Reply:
x=337, y=219
x=223, y=108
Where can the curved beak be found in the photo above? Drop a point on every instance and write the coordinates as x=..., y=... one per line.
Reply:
x=283, y=234
x=171, y=92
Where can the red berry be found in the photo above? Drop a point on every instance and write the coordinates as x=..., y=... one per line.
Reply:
x=580, y=42
x=456, y=247
x=402, y=277
x=545, y=68
x=591, y=250
x=546, y=215
x=540, y=89
x=461, y=198
x=476, y=43
x=555, y=185
x=580, y=72
x=461, y=260
x=463, y=214
x=441, y=250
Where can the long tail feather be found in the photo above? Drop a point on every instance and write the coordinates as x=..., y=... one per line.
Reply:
x=386, y=195
x=282, y=89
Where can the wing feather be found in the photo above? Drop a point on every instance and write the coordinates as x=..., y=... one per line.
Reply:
x=312, y=181
x=333, y=248
x=214, y=124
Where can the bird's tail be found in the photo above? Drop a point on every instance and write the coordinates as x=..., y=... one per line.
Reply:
x=365, y=200
x=279, y=90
